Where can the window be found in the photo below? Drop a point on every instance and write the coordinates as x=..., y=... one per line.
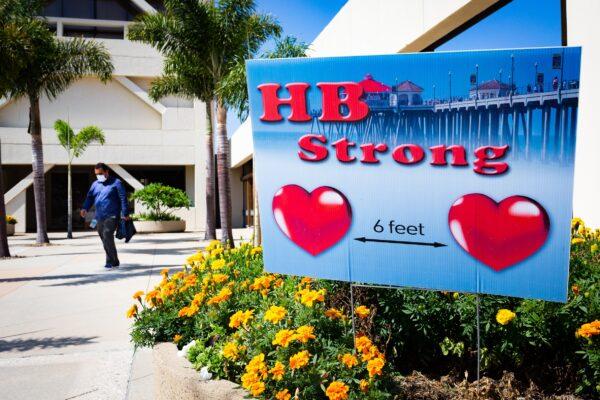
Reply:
x=118, y=10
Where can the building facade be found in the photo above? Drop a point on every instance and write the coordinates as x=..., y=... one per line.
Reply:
x=146, y=141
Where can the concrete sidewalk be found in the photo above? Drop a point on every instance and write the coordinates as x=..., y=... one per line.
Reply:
x=63, y=330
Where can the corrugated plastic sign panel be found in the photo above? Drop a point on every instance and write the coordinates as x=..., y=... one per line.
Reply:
x=446, y=171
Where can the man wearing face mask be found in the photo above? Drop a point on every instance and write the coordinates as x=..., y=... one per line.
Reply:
x=108, y=195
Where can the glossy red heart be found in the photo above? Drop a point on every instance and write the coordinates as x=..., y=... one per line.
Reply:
x=315, y=221
x=498, y=234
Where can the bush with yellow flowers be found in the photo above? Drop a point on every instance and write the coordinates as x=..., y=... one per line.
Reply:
x=278, y=337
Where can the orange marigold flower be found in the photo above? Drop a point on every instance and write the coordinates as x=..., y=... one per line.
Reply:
x=375, y=366
x=177, y=338
x=364, y=385
x=299, y=359
x=240, y=318
x=275, y=314
x=231, y=351
x=277, y=371
x=362, y=312
x=588, y=330
x=223, y=295
x=337, y=391
x=362, y=343
x=257, y=366
x=575, y=289
x=132, y=312
x=304, y=333
x=283, y=395
x=138, y=295
x=334, y=313
x=309, y=297
x=219, y=278
x=349, y=360
x=284, y=337
x=164, y=272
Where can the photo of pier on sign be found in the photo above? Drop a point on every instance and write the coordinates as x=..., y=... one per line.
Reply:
x=448, y=171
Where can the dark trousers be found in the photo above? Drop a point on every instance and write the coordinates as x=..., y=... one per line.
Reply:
x=106, y=229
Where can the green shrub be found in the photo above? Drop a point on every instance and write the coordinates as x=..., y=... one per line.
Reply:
x=154, y=217
x=161, y=200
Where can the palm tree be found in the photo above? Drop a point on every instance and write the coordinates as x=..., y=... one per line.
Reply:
x=75, y=145
x=47, y=66
x=213, y=36
x=235, y=90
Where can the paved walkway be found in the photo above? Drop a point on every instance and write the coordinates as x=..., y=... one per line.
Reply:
x=63, y=331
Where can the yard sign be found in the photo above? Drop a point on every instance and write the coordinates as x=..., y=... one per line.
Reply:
x=448, y=171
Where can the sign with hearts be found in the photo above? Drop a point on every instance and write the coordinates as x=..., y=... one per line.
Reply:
x=413, y=170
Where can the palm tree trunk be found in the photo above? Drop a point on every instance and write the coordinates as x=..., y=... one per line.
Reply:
x=69, y=203
x=223, y=175
x=210, y=233
x=257, y=228
x=4, y=250
x=39, y=187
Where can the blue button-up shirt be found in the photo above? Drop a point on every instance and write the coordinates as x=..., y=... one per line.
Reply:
x=109, y=197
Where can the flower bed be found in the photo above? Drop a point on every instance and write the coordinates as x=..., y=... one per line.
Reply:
x=284, y=337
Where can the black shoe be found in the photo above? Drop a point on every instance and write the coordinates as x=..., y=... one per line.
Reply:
x=108, y=266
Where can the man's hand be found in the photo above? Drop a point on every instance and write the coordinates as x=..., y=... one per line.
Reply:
x=83, y=213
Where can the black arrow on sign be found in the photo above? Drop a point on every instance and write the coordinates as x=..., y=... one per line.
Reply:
x=434, y=244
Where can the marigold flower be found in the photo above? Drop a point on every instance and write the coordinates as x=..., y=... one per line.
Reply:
x=575, y=289
x=277, y=371
x=334, y=313
x=305, y=333
x=257, y=366
x=283, y=395
x=362, y=312
x=138, y=295
x=577, y=240
x=217, y=264
x=299, y=359
x=337, y=391
x=262, y=283
x=364, y=385
x=349, y=360
x=284, y=337
x=594, y=248
x=132, y=312
x=275, y=314
x=177, y=338
x=362, y=343
x=256, y=250
x=240, y=318
x=504, y=316
x=375, y=366
x=371, y=352
x=223, y=295
x=231, y=351
x=308, y=297
x=588, y=330
x=164, y=272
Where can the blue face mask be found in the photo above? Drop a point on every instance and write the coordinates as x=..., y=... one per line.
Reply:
x=101, y=178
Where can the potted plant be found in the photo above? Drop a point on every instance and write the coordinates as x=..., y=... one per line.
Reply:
x=160, y=201
x=10, y=225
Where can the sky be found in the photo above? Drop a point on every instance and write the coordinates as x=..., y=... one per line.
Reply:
x=521, y=23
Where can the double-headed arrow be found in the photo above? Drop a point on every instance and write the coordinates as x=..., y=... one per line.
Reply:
x=433, y=244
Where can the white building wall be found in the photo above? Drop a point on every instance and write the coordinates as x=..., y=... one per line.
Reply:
x=583, y=30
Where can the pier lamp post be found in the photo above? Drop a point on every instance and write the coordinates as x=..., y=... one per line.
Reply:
x=500, y=74
x=450, y=89
x=535, y=65
x=433, y=94
x=476, y=83
x=512, y=73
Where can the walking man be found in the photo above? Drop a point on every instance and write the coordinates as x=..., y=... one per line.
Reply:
x=107, y=193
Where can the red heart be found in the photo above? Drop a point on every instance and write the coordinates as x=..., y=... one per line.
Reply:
x=314, y=221
x=498, y=234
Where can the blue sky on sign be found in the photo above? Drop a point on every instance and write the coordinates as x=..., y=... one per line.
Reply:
x=521, y=23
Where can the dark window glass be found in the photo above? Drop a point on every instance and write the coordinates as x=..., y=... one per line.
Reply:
x=78, y=8
x=92, y=32
x=53, y=8
x=118, y=10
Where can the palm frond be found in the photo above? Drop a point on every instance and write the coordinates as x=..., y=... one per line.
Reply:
x=64, y=133
x=85, y=137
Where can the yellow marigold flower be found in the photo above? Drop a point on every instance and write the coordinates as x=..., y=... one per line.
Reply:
x=349, y=360
x=284, y=337
x=132, y=312
x=256, y=250
x=363, y=343
x=257, y=366
x=223, y=295
x=370, y=353
x=455, y=295
x=283, y=395
x=275, y=314
x=240, y=318
x=577, y=240
x=375, y=366
x=178, y=275
x=362, y=312
x=164, y=272
x=588, y=330
x=299, y=359
x=219, y=278
x=308, y=297
x=504, y=316
x=217, y=264
x=153, y=297
x=216, y=252
x=334, y=313
x=305, y=333
x=177, y=338
x=594, y=248
x=262, y=282
x=337, y=391
x=231, y=351
x=213, y=245
x=364, y=385
x=138, y=295
x=277, y=371
x=188, y=311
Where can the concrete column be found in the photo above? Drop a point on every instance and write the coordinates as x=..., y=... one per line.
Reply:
x=18, y=209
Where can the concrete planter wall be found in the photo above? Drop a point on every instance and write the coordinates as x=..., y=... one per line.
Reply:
x=159, y=226
x=10, y=229
x=174, y=378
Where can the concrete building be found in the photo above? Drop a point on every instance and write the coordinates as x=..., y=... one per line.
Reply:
x=423, y=25
x=146, y=141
